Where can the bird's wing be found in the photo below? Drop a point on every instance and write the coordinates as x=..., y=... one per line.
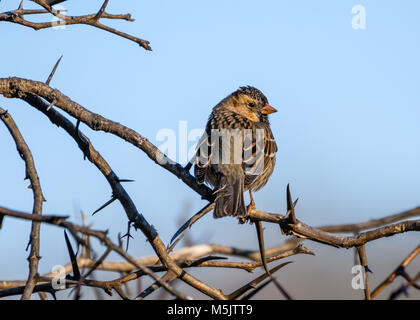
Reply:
x=202, y=157
x=270, y=145
x=259, y=148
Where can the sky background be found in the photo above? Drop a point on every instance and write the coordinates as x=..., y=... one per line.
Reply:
x=347, y=126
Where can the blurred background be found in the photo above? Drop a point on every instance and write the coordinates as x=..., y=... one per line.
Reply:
x=347, y=128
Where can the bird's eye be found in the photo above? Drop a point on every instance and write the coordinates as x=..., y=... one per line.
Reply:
x=251, y=104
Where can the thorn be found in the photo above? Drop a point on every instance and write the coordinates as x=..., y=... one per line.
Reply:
x=260, y=237
x=53, y=71
x=400, y=270
x=20, y=6
x=255, y=282
x=105, y=205
x=126, y=235
x=367, y=269
x=256, y=290
x=108, y=292
x=85, y=147
x=188, y=166
x=290, y=207
x=52, y=292
x=125, y=180
x=51, y=104
x=28, y=245
x=75, y=267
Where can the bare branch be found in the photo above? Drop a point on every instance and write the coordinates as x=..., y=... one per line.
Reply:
x=33, y=91
x=363, y=260
x=119, y=192
x=18, y=17
x=404, y=287
x=74, y=229
x=413, y=254
x=32, y=175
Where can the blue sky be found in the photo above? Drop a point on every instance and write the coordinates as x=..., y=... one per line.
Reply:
x=347, y=126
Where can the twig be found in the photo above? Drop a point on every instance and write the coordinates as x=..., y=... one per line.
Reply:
x=404, y=287
x=18, y=17
x=374, y=223
x=413, y=254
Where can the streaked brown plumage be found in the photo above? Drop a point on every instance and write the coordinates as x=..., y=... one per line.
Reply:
x=242, y=114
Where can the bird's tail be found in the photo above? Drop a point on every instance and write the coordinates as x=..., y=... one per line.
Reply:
x=229, y=198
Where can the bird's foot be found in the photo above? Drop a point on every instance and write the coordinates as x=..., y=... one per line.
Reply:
x=246, y=219
x=249, y=208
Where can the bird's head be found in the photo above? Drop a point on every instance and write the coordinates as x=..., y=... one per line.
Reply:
x=251, y=103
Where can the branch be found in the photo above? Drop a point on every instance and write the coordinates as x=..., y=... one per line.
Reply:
x=101, y=235
x=398, y=271
x=363, y=260
x=19, y=88
x=404, y=287
x=289, y=224
x=18, y=16
x=134, y=263
x=251, y=285
x=302, y=230
x=35, y=185
x=119, y=192
x=30, y=91
x=374, y=223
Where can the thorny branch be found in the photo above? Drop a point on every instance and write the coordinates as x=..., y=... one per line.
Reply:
x=186, y=255
x=399, y=271
x=35, y=185
x=45, y=99
x=34, y=92
x=131, y=262
x=18, y=16
x=119, y=193
x=100, y=235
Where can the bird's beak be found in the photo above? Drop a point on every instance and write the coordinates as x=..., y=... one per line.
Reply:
x=267, y=109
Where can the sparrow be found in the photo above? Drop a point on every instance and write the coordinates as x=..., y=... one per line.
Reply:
x=237, y=151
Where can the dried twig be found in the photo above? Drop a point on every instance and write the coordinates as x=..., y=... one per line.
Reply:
x=403, y=289
x=398, y=271
x=18, y=16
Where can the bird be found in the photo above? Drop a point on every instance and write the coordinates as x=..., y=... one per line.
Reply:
x=237, y=151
